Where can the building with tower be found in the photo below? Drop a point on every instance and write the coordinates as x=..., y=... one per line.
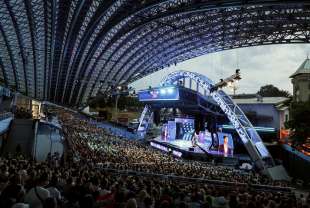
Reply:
x=301, y=82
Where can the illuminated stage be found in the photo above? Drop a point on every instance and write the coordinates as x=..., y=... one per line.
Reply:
x=189, y=117
x=184, y=149
x=179, y=138
x=185, y=145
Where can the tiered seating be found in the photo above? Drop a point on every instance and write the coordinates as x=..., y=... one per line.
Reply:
x=102, y=170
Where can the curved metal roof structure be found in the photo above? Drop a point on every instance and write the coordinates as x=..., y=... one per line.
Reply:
x=68, y=50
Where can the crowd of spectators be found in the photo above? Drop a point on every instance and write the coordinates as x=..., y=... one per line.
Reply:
x=27, y=183
x=92, y=144
x=82, y=178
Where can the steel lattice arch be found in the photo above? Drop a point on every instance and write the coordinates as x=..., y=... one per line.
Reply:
x=66, y=51
x=247, y=133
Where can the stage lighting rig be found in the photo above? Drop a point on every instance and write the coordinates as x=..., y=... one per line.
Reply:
x=228, y=81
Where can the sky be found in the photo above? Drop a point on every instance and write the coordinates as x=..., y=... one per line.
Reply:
x=259, y=66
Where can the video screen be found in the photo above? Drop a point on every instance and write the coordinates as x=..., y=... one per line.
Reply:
x=168, y=131
x=226, y=143
x=171, y=131
x=185, y=128
x=164, y=132
x=205, y=139
x=160, y=94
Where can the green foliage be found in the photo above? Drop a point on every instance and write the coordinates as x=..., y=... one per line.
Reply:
x=272, y=91
x=300, y=122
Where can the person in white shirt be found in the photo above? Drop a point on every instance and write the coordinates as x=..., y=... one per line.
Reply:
x=38, y=194
x=52, y=188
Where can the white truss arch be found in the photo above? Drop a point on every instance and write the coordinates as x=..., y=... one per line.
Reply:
x=252, y=141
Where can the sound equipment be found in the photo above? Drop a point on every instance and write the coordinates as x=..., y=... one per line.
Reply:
x=191, y=149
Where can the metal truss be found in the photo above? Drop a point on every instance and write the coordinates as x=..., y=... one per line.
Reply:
x=250, y=138
x=69, y=50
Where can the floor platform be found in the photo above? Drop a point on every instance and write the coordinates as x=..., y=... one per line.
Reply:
x=185, y=149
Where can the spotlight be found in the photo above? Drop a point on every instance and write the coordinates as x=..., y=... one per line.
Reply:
x=170, y=90
x=163, y=91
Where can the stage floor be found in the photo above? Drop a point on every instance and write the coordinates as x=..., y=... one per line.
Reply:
x=185, y=145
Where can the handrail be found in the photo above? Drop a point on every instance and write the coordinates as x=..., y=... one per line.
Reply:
x=5, y=115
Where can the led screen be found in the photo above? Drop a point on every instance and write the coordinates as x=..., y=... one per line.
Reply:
x=226, y=143
x=165, y=93
x=185, y=128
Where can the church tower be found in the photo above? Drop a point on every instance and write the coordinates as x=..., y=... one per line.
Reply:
x=301, y=82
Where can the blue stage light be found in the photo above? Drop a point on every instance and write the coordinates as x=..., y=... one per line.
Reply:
x=163, y=91
x=170, y=90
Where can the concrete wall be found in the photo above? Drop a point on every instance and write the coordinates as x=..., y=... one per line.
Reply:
x=301, y=90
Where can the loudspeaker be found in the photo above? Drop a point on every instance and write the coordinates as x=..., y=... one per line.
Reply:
x=191, y=149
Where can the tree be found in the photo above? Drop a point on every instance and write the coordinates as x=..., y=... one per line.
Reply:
x=272, y=91
x=299, y=122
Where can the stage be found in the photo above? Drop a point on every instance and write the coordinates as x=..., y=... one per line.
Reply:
x=186, y=147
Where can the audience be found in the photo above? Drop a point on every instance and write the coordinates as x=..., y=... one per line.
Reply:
x=23, y=113
x=81, y=178
x=92, y=144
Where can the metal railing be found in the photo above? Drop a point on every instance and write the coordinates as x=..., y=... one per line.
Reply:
x=5, y=115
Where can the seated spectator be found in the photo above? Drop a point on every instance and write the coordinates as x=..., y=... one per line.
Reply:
x=13, y=193
x=52, y=188
x=104, y=170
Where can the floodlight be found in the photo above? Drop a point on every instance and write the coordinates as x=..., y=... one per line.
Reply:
x=163, y=91
x=170, y=90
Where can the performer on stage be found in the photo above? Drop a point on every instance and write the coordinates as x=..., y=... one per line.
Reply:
x=194, y=139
